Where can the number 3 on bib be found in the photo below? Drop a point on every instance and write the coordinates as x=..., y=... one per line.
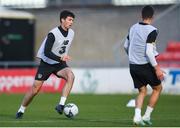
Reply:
x=63, y=48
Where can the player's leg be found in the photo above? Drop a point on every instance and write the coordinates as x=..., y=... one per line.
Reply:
x=139, y=79
x=155, y=83
x=68, y=75
x=29, y=97
x=139, y=103
x=155, y=95
x=32, y=92
x=151, y=104
x=43, y=73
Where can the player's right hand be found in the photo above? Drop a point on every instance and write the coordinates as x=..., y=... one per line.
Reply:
x=65, y=58
x=159, y=73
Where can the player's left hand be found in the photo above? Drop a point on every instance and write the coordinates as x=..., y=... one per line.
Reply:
x=65, y=58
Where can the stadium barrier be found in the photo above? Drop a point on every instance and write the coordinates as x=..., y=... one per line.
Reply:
x=91, y=80
x=20, y=80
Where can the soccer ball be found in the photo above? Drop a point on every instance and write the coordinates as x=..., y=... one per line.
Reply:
x=70, y=110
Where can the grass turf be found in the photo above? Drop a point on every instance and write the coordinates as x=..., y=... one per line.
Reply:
x=94, y=111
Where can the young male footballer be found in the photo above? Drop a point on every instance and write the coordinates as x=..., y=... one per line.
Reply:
x=53, y=54
x=140, y=46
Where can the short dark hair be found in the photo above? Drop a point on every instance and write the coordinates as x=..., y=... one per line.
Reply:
x=147, y=12
x=65, y=13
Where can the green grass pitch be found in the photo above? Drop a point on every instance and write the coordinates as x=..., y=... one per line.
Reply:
x=94, y=111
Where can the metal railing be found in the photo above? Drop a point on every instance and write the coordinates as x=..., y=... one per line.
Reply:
x=18, y=64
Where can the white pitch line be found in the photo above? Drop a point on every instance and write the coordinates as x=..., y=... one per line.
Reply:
x=86, y=120
x=28, y=121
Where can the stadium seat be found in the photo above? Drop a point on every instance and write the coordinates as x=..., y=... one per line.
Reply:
x=173, y=46
x=169, y=56
x=169, y=64
x=175, y=65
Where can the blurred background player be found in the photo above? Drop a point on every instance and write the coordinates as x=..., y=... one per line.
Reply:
x=141, y=49
x=53, y=54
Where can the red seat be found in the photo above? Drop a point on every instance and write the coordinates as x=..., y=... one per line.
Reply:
x=164, y=65
x=175, y=65
x=173, y=46
x=169, y=56
x=167, y=65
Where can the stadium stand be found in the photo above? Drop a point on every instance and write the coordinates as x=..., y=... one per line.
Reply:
x=171, y=56
x=99, y=33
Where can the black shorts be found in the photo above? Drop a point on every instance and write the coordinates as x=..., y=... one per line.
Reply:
x=45, y=70
x=143, y=75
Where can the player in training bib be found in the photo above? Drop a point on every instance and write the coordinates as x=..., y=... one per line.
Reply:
x=53, y=54
x=141, y=49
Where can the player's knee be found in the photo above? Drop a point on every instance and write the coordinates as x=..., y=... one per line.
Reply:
x=35, y=92
x=143, y=91
x=71, y=76
x=35, y=89
x=159, y=88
